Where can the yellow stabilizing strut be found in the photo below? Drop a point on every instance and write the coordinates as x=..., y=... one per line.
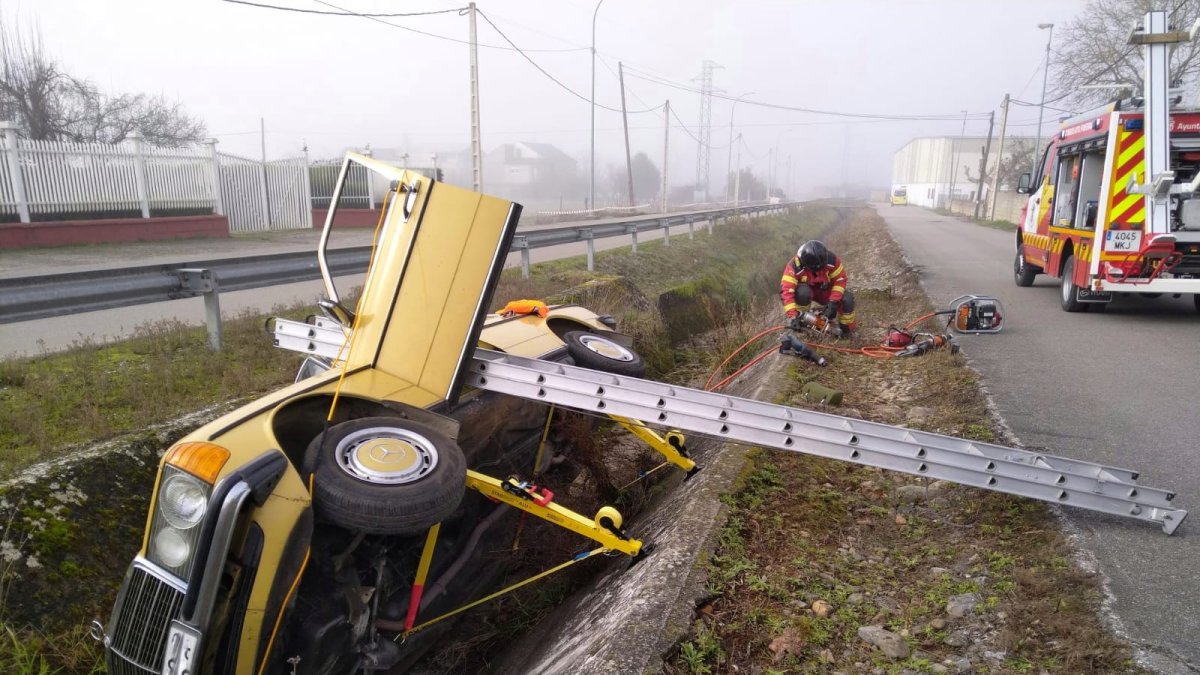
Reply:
x=418, y=587
x=671, y=447
x=604, y=528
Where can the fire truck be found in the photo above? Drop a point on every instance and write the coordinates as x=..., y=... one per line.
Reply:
x=1114, y=207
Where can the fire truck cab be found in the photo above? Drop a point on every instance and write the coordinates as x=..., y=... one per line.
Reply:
x=1114, y=207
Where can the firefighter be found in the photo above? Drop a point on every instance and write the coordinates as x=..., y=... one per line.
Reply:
x=815, y=274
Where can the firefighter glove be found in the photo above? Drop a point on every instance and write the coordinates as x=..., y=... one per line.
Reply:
x=831, y=311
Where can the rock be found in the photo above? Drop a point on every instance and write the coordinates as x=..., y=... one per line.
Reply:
x=821, y=608
x=961, y=605
x=889, y=643
x=855, y=599
x=912, y=493
x=939, y=668
x=887, y=604
x=958, y=638
x=938, y=571
x=826, y=656
x=960, y=665
x=918, y=415
x=901, y=520
x=937, y=624
x=889, y=411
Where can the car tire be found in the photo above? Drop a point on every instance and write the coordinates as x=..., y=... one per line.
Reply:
x=1023, y=272
x=384, y=475
x=595, y=351
x=1196, y=301
x=1069, y=292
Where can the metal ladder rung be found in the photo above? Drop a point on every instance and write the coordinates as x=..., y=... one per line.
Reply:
x=753, y=422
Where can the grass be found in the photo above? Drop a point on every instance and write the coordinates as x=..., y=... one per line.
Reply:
x=805, y=530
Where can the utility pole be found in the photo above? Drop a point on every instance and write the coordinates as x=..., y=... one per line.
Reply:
x=955, y=147
x=999, y=159
x=729, y=155
x=983, y=165
x=625, y=122
x=770, y=171
x=737, y=180
x=666, y=150
x=476, y=143
x=790, y=192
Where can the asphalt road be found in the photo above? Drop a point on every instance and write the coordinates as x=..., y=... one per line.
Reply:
x=1119, y=387
x=30, y=338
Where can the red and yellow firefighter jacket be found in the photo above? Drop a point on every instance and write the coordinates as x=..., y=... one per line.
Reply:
x=828, y=283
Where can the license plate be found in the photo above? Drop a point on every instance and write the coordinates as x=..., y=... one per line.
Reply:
x=1123, y=241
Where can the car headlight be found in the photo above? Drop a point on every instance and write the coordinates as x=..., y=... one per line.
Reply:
x=183, y=500
x=184, y=488
x=171, y=548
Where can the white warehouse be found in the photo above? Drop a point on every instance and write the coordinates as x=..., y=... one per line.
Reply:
x=923, y=166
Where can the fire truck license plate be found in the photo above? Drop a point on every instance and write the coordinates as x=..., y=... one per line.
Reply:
x=1125, y=241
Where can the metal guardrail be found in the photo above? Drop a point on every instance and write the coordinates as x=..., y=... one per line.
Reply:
x=40, y=297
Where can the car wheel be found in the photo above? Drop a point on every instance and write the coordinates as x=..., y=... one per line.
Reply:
x=1069, y=297
x=383, y=475
x=595, y=351
x=1196, y=300
x=1023, y=272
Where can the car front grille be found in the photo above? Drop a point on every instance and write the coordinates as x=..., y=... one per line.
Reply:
x=139, y=628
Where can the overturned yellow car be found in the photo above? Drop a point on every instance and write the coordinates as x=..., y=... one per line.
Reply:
x=280, y=536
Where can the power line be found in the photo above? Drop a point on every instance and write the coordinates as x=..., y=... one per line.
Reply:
x=1048, y=107
x=543, y=71
x=345, y=12
x=662, y=81
x=685, y=129
x=747, y=147
x=376, y=18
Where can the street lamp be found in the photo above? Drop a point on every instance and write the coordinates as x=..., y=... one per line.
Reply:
x=592, y=170
x=729, y=156
x=1042, y=107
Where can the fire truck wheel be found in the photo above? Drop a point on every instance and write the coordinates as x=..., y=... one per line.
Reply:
x=383, y=475
x=1023, y=272
x=595, y=351
x=1070, y=292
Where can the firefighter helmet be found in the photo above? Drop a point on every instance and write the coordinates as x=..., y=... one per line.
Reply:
x=812, y=254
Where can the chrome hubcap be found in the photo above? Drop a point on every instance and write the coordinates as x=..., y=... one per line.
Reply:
x=386, y=456
x=606, y=348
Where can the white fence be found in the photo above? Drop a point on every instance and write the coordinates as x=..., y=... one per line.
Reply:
x=51, y=181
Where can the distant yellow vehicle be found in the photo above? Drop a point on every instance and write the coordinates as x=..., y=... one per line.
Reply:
x=900, y=196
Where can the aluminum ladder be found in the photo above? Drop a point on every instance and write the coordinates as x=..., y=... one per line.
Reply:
x=1057, y=480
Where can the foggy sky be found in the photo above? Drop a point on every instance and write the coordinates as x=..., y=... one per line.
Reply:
x=334, y=82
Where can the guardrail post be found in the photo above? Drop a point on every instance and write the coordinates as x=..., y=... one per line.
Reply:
x=195, y=281
x=520, y=243
x=12, y=145
x=666, y=232
x=218, y=205
x=633, y=230
x=139, y=172
x=691, y=229
x=591, y=249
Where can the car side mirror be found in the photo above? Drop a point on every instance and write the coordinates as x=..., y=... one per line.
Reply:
x=1025, y=184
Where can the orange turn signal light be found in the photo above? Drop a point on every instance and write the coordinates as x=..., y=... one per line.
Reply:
x=202, y=460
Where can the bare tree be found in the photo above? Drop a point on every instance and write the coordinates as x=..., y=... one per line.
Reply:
x=1093, y=50
x=50, y=104
x=1018, y=157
